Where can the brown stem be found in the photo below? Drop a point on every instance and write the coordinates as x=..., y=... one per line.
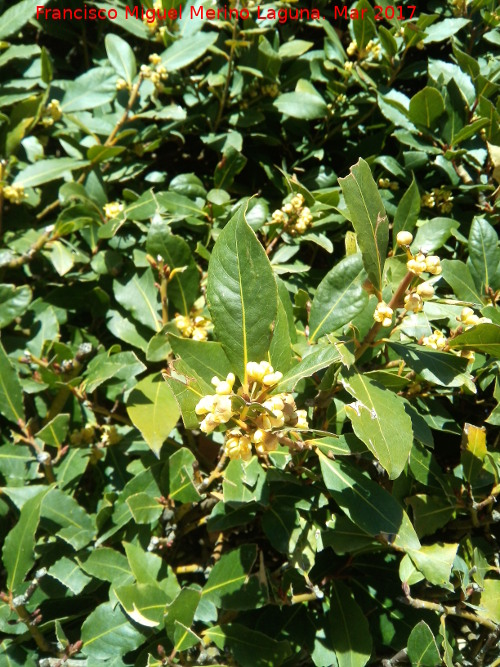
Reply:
x=215, y=474
x=39, y=244
x=2, y=173
x=450, y=611
x=394, y=303
x=25, y=617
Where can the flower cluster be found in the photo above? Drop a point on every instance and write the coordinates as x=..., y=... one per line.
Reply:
x=153, y=25
x=257, y=419
x=387, y=184
x=156, y=72
x=372, y=49
x=414, y=300
x=419, y=263
x=51, y=113
x=383, y=314
x=436, y=341
x=270, y=90
x=14, y=193
x=439, y=198
x=294, y=216
x=469, y=319
x=112, y=209
x=193, y=326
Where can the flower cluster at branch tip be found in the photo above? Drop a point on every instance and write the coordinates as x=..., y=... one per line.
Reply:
x=193, y=326
x=383, y=314
x=421, y=263
x=372, y=49
x=156, y=72
x=387, y=184
x=257, y=419
x=469, y=319
x=439, y=198
x=153, y=25
x=14, y=193
x=294, y=216
x=51, y=113
x=436, y=341
x=112, y=209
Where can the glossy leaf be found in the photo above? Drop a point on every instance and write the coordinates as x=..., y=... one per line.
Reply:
x=181, y=477
x=249, y=648
x=107, y=633
x=239, y=271
x=484, y=254
x=153, y=410
x=19, y=545
x=426, y=106
x=121, y=57
x=45, y=171
x=380, y=420
x=349, y=628
x=144, y=603
x=368, y=505
x=11, y=396
x=319, y=358
x=140, y=298
x=483, y=338
x=422, y=647
x=406, y=215
x=13, y=302
x=368, y=217
x=441, y=368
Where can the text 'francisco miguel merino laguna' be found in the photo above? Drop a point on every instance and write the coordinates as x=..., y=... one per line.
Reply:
x=153, y=15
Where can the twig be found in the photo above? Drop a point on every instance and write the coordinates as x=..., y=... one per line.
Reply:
x=449, y=611
x=394, y=303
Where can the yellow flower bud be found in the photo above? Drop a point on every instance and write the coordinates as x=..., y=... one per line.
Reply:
x=425, y=290
x=404, y=238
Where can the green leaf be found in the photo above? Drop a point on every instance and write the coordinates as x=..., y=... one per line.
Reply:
x=484, y=254
x=229, y=574
x=349, y=628
x=481, y=338
x=442, y=368
x=123, y=365
x=249, y=647
x=15, y=17
x=183, y=288
x=144, y=603
x=70, y=575
x=458, y=277
x=339, y=298
x=368, y=218
x=422, y=648
x=153, y=410
x=304, y=103
x=180, y=474
x=139, y=297
x=469, y=131
x=474, y=450
x=406, y=215
x=426, y=106
x=186, y=50
x=320, y=357
x=45, y=171
x=380, y=420
x=242, y=294
x=245, y=483
x=107, y=633
x=435, y=562
x=19, y=545
x=280, y=350
x=121, y=57
x=489, y=602
x=11, y=395
x=278, y=524
x=54, y=433
x=368, y=505
x=13, y=302
x=76, y=526
x=364, y=27
x=108, y=565
x=144, y=508
x=179, y=618
x=430, y=513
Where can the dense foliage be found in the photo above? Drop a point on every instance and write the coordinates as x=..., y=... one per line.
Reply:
x=249, y=348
